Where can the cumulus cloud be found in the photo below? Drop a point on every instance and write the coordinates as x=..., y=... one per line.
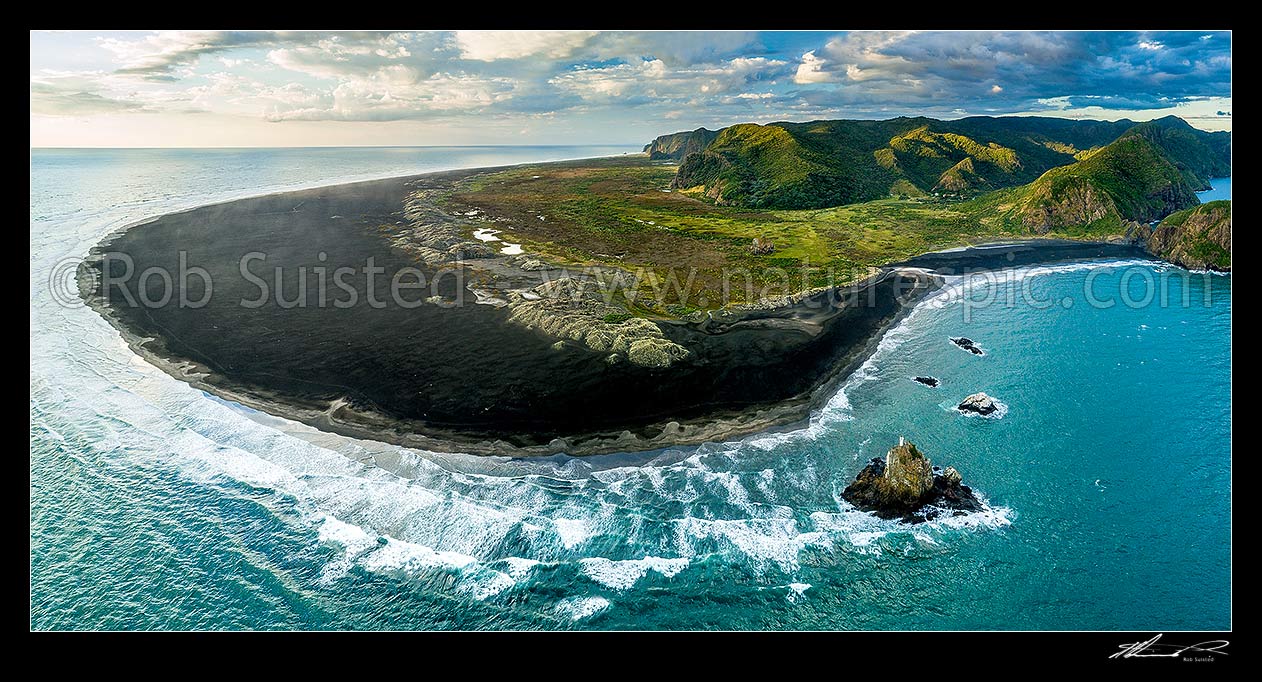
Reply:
x=488, y=46
x=228, y=92
x=398, y=94
x=811, y=70
x=652, y=80
x=157, y=55
x=339, y=57
x=674, y=48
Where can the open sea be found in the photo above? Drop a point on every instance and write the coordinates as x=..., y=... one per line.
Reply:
x=156, y=506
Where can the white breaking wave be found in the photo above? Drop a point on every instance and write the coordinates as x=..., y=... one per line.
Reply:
x=351, y=540
x=519, y=568
x=571, y=531
x=864, y=532
x=764, y=543
x=988, y=517
x=793, y=592
x=797, y=591
x=404, y=559
x=623, y=575
x=581, y=608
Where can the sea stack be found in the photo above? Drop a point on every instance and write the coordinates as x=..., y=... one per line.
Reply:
x=906, y=486
x=978, y=403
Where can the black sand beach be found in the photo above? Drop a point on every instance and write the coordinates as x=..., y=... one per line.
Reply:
x=1020, y=253
x=463, y=377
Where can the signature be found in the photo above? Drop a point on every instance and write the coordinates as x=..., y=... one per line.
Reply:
x=1153, y=648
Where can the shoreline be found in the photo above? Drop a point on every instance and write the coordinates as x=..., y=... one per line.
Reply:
x=342, y=419
x=832, y=339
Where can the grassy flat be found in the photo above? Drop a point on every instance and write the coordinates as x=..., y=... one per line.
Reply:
x=620, y=212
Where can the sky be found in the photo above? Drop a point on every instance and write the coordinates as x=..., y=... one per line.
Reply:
x=325, y=88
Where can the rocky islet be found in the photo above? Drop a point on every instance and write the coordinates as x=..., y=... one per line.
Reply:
x=905, y=485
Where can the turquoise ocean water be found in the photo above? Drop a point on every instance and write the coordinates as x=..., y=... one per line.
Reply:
x=156, y=506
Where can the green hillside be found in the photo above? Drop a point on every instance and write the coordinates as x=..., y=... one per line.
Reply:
x=1197, y=238
x=831, y=163
x=769, y=167
x=949, y=162
x=1131, y=179
x=834, y=163
x=1197, y=154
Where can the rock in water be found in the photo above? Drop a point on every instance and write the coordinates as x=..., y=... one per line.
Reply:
x=967, y=344
x=906, y=486
x=931, y=382
x=978, y=403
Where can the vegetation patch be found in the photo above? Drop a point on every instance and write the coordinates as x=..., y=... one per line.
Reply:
x=617, y=318
x=689, y=254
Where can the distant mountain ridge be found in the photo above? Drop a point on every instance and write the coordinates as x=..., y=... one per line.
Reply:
x=830, y=163
x=1197, y=154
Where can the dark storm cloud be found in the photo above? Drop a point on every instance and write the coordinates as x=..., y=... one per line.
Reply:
x=1016, y=70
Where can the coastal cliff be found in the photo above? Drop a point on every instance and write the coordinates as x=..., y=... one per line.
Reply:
x=1196, y=238
x=1131, y=179
x=678, y=145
